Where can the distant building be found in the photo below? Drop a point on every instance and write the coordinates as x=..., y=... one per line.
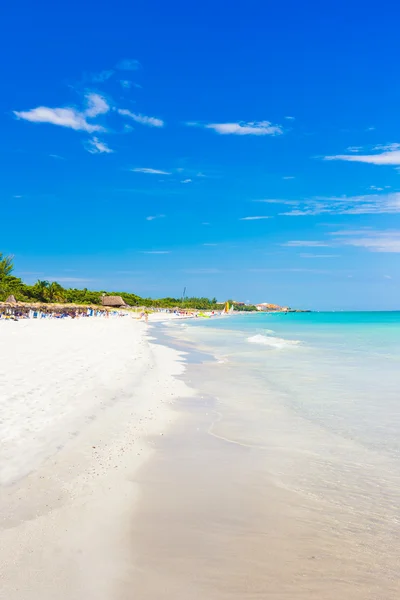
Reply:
x=266, y=306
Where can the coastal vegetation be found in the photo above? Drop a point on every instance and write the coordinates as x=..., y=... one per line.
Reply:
x=49, y=292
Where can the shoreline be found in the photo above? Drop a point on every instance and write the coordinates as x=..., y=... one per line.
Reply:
x=65, y=515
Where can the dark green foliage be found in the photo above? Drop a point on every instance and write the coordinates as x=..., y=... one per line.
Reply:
x=6, y=265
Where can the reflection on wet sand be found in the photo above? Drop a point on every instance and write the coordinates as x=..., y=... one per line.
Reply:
x=215, y=522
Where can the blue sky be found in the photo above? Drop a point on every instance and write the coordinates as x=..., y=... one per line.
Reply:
x=251, y=153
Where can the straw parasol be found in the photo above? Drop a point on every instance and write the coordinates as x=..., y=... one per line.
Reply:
x=114, y=301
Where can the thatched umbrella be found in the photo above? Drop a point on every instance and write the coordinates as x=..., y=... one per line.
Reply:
x=113, y=301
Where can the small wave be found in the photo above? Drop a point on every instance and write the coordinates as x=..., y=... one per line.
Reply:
x=272, y=341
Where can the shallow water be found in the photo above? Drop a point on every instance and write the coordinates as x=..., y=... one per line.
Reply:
x=283, y=479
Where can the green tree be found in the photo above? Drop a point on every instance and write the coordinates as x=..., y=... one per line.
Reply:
x=6, y=265
x=40, y=290
x=55, y=292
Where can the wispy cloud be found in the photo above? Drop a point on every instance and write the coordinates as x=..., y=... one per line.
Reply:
x=150, y=171
x=56, y=156
x=373, y=240
x=102, y=76
x=290, y=270
x=156, y=252
x=67, y=279
x=125, y=83
x=95, y=146
x=186, y=181
x=306, y=255
x=385, y=154
x=96, y=105
x=388, y=203
x=278, y=201
x=142, y=119
x=153, y=217
x=258, y=218
x=69, y=117
x=306, y=244
x=288, y=177
x=128, y=64
x=246, y=128
x=202, y=271
x=290, y=118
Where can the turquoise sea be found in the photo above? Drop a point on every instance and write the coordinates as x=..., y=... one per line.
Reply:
x=303, y=412
x=340, y=369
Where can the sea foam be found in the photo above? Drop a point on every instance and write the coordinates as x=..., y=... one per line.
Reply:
x=274, y=342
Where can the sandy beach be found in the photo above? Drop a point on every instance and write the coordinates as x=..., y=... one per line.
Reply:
x=141, y=461
x=81, y=402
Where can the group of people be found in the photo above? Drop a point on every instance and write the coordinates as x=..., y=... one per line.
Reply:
x=18, y=313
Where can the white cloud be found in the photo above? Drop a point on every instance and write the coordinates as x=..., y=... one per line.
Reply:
x=57, y=156
x=96, y=105
x=125, y=83
x=354, y=149
x=389, y=156
x=387, y=147
x=253, y=218
x=306, y=244
x=388, y=203
x=246, y=128
x=373, y=240
x=150, y=171
x=142, y=119
x=387, y=277
x=186, y=181
x=65, y=117
x=290, y=118
x=152, y=218
x=95, y=146
x=128, y=64
x=156, y=252
x=69, y=117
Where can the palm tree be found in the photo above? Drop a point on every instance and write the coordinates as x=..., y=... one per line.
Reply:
x=6, y=265
x=41, y=289
x=55, y=292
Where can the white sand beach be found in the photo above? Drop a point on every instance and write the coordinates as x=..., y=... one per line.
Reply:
x=80, y=402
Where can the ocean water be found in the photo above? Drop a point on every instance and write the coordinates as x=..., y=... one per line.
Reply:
x=340, y=370
x=292, y=455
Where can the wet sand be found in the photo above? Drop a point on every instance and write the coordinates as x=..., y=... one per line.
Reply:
x=221, y=515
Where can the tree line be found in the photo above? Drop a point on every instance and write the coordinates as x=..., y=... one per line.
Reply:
x=46, y=291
